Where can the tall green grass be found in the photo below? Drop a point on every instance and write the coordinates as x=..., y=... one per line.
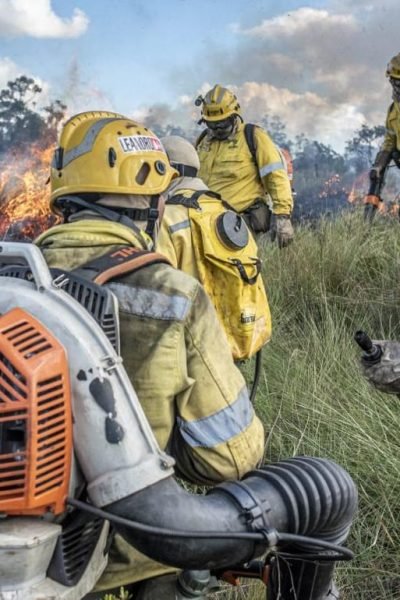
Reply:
x=337, y=277
x=341, y=276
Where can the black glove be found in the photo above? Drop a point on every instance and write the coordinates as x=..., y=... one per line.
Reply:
x=384, y=375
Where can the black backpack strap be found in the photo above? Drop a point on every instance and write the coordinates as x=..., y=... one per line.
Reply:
x=120, y=261
x=249, y=134
x=200, y=138
x=187, y=201
x=152, y=216
x=193, y=200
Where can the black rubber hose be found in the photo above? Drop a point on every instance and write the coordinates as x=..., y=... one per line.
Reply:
x=323, y=501
x=313, y=497
x=372, y=352
x=257, y=373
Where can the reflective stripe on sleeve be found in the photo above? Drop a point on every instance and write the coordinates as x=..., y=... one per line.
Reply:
x=390, y=132
x=267, y=169
x=178, y=226
x=221, y=426
x=149, y=303
x=88, y=141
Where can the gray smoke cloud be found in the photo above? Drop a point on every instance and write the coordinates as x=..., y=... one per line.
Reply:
x=320, y=69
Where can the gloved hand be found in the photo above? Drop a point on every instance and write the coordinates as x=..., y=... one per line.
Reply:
x=284, y=230
x=372, y=200
x=384, y=375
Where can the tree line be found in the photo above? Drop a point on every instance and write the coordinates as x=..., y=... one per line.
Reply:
x=323, y=177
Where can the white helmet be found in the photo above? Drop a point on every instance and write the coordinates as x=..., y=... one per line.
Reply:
x=182, y=155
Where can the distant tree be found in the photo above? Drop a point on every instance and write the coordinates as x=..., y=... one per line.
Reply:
x=54, y=115
x=318, y=178
x=277, y=130
x=21, y=121
x=361, y=149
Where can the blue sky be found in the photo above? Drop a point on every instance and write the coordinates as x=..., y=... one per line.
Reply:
x=310, y=62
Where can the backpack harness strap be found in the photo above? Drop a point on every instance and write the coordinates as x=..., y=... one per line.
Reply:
x=121, y=261
x=249, y=131
x=193, y=200
x=201, y=137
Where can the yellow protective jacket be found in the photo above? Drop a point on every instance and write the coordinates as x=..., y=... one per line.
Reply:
x=180, y=364
x=227, y=167
x=392, y=136
x=175, y=237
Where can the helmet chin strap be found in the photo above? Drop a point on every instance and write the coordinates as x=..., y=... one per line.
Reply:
x=69, y=202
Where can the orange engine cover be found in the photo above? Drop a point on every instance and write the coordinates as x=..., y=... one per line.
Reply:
x=35, y=418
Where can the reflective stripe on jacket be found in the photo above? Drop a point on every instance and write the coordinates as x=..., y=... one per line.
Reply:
x=175, y=237
x=392, y=136
x=228, y=168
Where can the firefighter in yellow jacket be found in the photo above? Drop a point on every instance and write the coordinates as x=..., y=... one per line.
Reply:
x=204, y=237
x=243, y=164
x=108, y=178
x=390, y=148
x=175, y=239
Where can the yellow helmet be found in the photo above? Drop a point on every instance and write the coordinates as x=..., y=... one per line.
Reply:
x=219, y=103
x=105, y=152
x=393, y=68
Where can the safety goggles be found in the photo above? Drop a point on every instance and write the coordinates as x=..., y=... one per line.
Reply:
x=221, y=129
x=395, y=83
x=223, y=124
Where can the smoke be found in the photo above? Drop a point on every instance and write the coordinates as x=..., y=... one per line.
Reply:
x=165, y=119
x=80, y=93
x=320, y=70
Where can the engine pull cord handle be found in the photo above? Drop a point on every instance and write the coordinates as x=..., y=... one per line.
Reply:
x=372, y=352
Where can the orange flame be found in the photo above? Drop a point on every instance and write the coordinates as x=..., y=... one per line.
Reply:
x=24, y=196
x=359, y=191
x=333, y=186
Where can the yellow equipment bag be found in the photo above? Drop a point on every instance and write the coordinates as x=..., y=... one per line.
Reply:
x=227, y=260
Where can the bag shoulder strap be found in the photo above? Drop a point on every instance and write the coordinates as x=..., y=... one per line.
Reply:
x=115, y=263
x=249, y=134
x=193, y=200
x=201, y=137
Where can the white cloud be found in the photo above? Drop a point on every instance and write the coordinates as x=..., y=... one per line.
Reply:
x=301, y=112
x=300, y=20
x=36, y=18
x=321, y=70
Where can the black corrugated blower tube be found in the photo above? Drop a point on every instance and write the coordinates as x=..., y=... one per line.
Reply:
x=306, y=496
